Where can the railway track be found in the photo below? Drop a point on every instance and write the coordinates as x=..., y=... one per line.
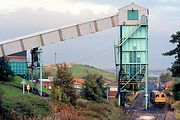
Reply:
x=138, y=102
x=160, y=114
x=134, y=107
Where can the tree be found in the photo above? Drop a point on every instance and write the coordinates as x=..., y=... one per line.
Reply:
x=65, y=84
x=175, y=68
x=93, y=87
x=6, y=73
x=100, y=81
x=176, y=91
x=165, y=77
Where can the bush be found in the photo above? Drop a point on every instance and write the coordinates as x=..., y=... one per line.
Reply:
x=94, y=89
x=93, y=109
x=176, y=105
x=6, y=74
x=66, y=112
x=176, y=91
x=165, y=77
x=57, y=93
x=26, y=106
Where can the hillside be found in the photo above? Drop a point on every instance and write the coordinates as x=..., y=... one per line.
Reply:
x=14, y=87
x=12, y=99
x=9, y=90
x=80, y=71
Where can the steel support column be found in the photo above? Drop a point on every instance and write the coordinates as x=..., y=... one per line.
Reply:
x=146, y=84
x=120, y=95
x=40, y=68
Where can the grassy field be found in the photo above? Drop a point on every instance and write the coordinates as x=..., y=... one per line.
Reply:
x=17, y=81
x=9, y=90
x=14, y=87
x=80, y=71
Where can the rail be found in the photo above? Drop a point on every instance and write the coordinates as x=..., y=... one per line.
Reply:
x=136, y=103
x=160, y=114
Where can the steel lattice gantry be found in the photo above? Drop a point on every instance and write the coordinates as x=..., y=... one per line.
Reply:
x=131, y=51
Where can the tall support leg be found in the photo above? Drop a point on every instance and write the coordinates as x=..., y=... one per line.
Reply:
x=32, y=78
x=119, y=99
x=121, y=102
x=40, y=65
x=119, y=84
x=146, y=95
x=107, y=92
x=146, y=87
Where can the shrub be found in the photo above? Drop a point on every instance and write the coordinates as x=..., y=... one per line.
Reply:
x=165, y=77
x=57, y=93
x=66, y=112
x=6, y=74
x=176, y=91
x=26, y=106
x=93, y=109
x=176, y=105
x=93, y=89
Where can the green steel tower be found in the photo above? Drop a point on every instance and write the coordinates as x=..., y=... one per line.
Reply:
x=131, y=51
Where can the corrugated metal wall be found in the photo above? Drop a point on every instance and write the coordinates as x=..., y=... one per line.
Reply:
x=19, y=68
x=18, y=63
x=134, y=50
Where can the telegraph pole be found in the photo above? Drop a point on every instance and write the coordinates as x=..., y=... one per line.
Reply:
x=55, y=56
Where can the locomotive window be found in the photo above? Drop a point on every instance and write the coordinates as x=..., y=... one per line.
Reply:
x=162, y=95
x=157, y=95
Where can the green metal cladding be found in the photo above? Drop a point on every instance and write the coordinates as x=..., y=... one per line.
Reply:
x=19, y=67
x=134, y=51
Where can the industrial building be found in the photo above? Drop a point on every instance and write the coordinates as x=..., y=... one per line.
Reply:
x=18, y=63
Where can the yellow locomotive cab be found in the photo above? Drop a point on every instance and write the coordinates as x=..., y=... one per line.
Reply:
x=158, y=97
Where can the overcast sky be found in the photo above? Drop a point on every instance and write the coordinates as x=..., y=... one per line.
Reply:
x=21, y=17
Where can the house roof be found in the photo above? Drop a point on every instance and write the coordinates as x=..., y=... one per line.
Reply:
x=45, y=80
x=79, y=80
x=132, y=5
x=169, y=83
x=114, y=83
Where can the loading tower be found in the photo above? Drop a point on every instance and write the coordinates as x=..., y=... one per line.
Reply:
x=131, y=51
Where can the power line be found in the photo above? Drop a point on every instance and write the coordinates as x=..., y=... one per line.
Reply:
x=94, y=55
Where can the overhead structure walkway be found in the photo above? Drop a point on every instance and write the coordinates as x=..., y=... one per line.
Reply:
x=56, y=35
x=131, y=49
